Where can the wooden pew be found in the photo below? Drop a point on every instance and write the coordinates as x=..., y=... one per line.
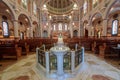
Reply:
x=24, y=46
x=10, y=51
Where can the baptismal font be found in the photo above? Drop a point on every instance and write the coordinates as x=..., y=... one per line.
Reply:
x=64, y=60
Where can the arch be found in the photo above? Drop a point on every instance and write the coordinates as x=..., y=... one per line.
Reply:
x=86, y=32
x=14, y=16
x=45, y=1
x=75, y=33
x=108, y=9
x=35, y=28
x=7, y=12
x=23, y=13
x=96, y=22
x=85, y=21
x=24, y=25
x=95, y=16
x=45, y=34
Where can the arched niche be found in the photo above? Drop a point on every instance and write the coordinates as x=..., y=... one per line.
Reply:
x=97, y=22
x=24, y=25
x=113, y=14
x=45, y=34
x=35, y=29
x=6, y=15
x=75, y=33
x=85, y=27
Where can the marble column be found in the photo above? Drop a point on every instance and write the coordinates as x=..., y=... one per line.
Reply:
x=16, y=29
x=83, y=51
x=31, y=32
x=79, y=24
x=47, y=62
x=41, y=29
x=49, y=29
x=104, y=32
x=72, y=60
x=60, y=64
x=70, y=28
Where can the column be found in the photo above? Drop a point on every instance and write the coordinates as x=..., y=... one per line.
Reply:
x=79, y=24
x=70, y=28
x=31, y=32
x=83, y=54
x=60, y=64
x=104, y=32
x=49, y=29
x=37, y=49
x=72, y=60
x=16, y=29
x=41, y=25
x=47, y=62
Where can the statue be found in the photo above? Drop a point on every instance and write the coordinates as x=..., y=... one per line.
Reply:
x=60, y=39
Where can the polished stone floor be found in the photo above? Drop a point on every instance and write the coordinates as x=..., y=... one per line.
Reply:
x=94, y=68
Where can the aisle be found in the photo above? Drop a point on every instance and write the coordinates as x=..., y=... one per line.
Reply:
x=93, y=69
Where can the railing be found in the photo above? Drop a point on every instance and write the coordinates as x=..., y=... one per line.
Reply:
x=67, y=61
x=48, y=61
x=53, y=62
x=41, y=56
x=78, y=57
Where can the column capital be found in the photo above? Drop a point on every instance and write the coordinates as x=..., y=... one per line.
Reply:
x=106, y=19
x=15, y=21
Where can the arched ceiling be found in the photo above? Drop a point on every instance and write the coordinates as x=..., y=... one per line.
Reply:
x=4, y=10
x=115, y=8
x=59, y=6
x=59, y=3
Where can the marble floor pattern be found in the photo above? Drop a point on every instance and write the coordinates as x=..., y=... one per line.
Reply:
x=93, y=68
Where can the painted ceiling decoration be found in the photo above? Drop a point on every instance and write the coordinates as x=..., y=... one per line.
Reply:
x=60, y=6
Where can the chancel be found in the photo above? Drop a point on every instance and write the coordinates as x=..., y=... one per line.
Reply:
x=59, y=40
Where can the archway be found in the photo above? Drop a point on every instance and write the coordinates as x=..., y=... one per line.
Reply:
x=86, y=33
x=35, y=29
x=75, y=33
x=113, y=14
x=7, y=16
x=45, y=34
x=24, y=25
x=97, y=22
x=84, y=29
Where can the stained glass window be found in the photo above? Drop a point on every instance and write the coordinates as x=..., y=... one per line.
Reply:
x=60, y=26
x=95, y=3
x=34, y=8
x=24, y=3
x=54, y=28
x=85, y=6
x=66, y=27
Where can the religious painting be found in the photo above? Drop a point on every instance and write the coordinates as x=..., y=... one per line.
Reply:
x=85, y=7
